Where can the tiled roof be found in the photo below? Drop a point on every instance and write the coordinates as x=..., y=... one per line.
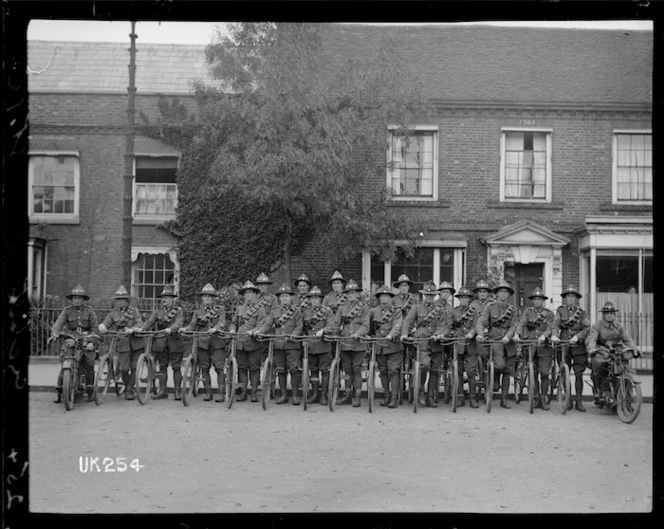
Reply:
x=454, y=63
x=513, y=64
x=103, y=67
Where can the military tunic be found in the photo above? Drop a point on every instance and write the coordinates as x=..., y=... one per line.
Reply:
x=320, y=352
x=568, y=323
x=387, y=320
x=248, y=317
x=501, y=320
x=480, y=349
x=353, y=317
x=533, y=324
x=601, y=334
x=129, y=349
x=162, y=319
x=459, y=323
x=285, y=320
x=334, y=300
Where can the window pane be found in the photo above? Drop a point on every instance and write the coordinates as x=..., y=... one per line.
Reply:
x=634, y=165
x=419, y=267
x=412, y=161
x=446, y=265
x=617, y=273
x=648, y=274
x=54, y=184
x=156, y=169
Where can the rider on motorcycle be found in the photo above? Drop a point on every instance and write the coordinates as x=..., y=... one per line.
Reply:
x=603, y=335
x=78, y=320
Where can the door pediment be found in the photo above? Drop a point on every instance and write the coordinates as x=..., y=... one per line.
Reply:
x=528, y=233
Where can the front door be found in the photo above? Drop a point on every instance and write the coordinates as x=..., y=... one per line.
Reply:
x=526, y=278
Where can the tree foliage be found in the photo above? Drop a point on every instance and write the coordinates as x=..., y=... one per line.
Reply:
x=290, y=147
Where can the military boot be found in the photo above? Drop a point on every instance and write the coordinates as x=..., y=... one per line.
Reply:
x=242, y=384
x=472, y=391
x=207, y=384
x=315, y=394
x=58, y=396
x=255, y=382
x=505, y=390
x=160, y=380
x=544, y=396
x=348, y=393
x=177, y=382
x=221, y=383
x=356, y=398
x=385, y=383
x=579, y=404
x=536, y=393
x=295, y=382
x=283, y=398
x=394, y=387
x=433, y=390
x=89, y=389
x=325, y=380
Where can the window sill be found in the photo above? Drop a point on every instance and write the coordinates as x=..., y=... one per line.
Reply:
x=139, y=221
x=646, y=206
x=440, y=203
x=495, y=204
x=52, y=219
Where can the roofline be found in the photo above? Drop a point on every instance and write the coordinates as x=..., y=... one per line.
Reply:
x=109, y=93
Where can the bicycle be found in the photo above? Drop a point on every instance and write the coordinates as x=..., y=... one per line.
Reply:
x=231, y=370
x=525, y=378
x=452, y=389
x=147, y=367
x=489, y=374
x=335, y=371
x=372, y=367
x=560, y=377
x=306, y=341
x=73, y=382
x=267, y=374
x=192, y=374
x=108, y=369
x=416, y=372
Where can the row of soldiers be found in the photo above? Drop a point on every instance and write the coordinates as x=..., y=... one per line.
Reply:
x=341, y=313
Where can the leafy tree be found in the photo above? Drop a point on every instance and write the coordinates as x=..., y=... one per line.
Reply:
x=291, y=147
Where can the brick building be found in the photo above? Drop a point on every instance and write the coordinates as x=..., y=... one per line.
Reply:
x=536, y=165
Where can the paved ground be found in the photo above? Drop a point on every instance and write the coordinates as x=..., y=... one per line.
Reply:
x=206, y=458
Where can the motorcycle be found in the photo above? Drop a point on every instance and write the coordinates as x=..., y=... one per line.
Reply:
x=73, y=382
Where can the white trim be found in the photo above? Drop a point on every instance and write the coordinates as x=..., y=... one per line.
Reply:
x=614, y=168
x=549, y=169
x=434, y=129
x=54, y=218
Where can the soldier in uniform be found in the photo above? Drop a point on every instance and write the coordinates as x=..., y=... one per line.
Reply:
x=303, y=284
x=125, y=318
x=248, y=318
x=572, y=323
x=460, y=323
x=319, y=321
x=78, y=319
x=481, y=291
x=605, y=333
x=386, y=321
x=208, y=318
x=352, y=319
x=267, y=301
x=535, y=324
x=167, y=349
x=422, y=321
x=337, y=297
x=445, y=292
x=286, y=321
x=501, y=319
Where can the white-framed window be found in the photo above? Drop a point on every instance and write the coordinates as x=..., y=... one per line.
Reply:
x=54, y=187
x=152, y=269
x=155, y=187
x=525, y=167
x=412, y=163
x=435, y=261
x=632, y=167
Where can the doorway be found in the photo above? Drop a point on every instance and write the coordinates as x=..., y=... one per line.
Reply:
x=527, y=277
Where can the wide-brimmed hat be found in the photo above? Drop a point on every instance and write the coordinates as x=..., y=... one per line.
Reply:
x=168, y=291
x=463, y=291
x=208, y=290
x=538, y=293
x=403, y=278
x=503, y=284
x=609, y=307
x=303, y=277
x=315, y=292
x=248, y=286
x=429, y=288
x=284, y=289
x=481, y=284
x=338, y=277
x=446, y=285
x=78, y=290
x=571, y=289
x=384, y=290
x=352, y=285
x=121, y=293
x=262, y=279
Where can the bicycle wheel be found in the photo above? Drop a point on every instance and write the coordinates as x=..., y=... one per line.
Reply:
x=335, y=380
x=143, y=378
x=629, y=400
x=531, y=387
x=371, y=384
x=188, y=374
x=479, y=379
x=102, y=379
x=564, y=388
x=489, y=386
x=69, y=388
x=266, y=382
x=553, y=382
x=416, y=384
x=118, y=383
x=455, y=384
x=447, y=390
x=305, y=382
x=231, y=382
x=519, y=383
